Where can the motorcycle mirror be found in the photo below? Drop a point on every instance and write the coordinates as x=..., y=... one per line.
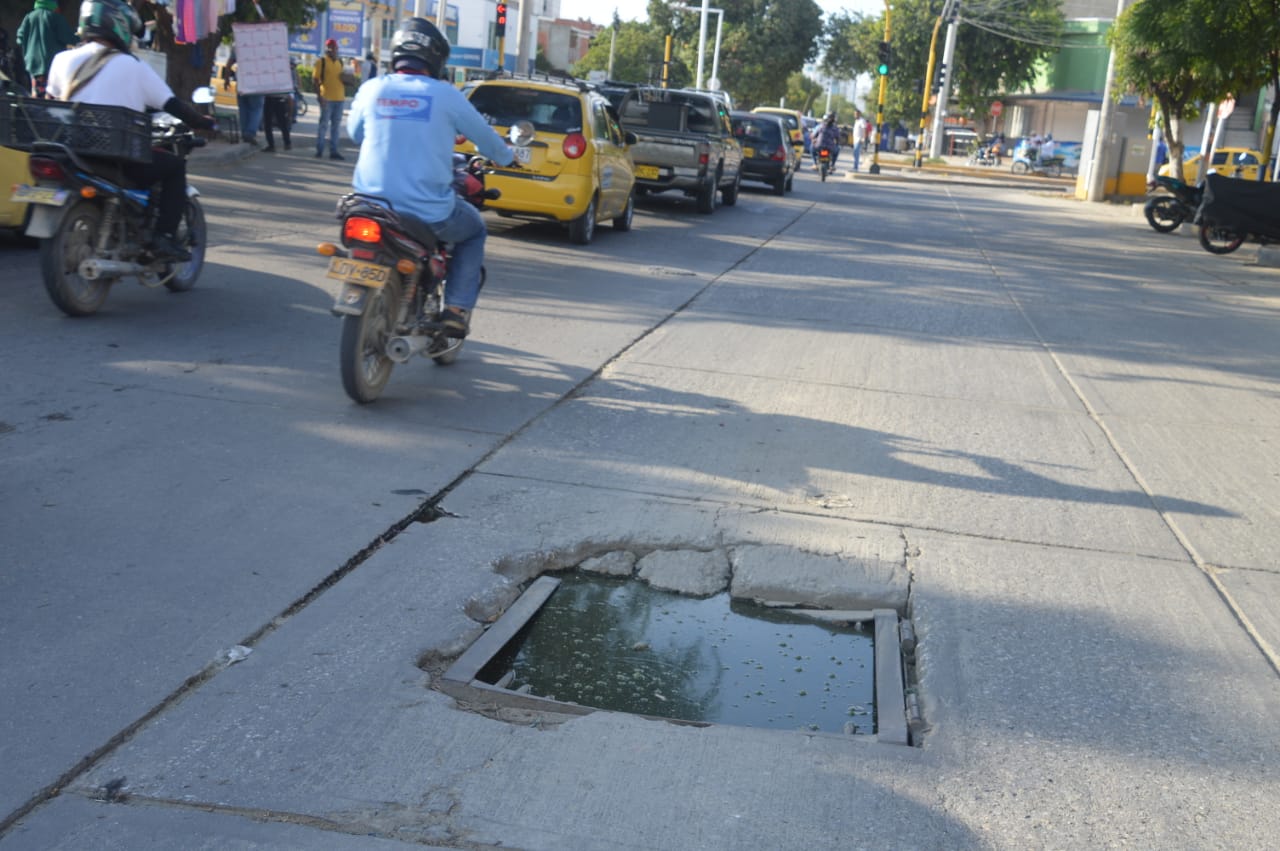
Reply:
x=521, y=133
x=202, y=95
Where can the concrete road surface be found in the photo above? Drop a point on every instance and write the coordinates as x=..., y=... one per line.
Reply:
x=1061, y=424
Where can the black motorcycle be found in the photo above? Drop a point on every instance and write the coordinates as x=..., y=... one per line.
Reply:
x=1165, y=212
x=94, y=226
x=393, y=271
x=1234, y=210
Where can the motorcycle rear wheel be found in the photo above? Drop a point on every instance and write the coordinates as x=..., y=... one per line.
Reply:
x=365, y=365
x=191, y=233
x=1216, y=239
x=822, y=170
x=1164, y=213
x=61, y=256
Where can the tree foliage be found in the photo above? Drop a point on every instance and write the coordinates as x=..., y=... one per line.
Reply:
x=637, y=55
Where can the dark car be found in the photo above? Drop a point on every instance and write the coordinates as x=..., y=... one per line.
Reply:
x=766, y=149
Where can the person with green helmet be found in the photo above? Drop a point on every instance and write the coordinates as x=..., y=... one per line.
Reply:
x=42, y=34
x=103, y=71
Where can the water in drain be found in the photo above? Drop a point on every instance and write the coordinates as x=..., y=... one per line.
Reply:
x=622, y=645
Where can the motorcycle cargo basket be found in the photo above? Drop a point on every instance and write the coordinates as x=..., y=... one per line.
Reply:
x=88, y=129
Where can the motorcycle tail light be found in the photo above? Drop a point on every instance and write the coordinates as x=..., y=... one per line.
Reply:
x=575, y=145
x=360, y=229
x=43, y=168
x=780, y=155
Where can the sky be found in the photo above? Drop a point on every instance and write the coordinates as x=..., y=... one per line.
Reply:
x=635, y=10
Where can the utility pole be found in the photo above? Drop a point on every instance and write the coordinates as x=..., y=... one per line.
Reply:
x=702, y=41
x=1097, y=170
x=527, y=38
x=944, y=93
x=613, y=44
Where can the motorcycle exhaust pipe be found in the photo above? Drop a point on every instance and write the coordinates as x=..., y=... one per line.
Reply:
x=95, y=268
x=401, y=349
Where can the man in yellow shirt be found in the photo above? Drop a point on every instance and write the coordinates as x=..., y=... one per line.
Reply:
x=328, y=75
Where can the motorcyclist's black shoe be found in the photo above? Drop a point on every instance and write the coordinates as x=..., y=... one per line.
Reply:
x=167, y=248
x=456, y=322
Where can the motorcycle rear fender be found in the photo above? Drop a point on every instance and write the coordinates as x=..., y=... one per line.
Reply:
x=44, y=220
x=351, y=301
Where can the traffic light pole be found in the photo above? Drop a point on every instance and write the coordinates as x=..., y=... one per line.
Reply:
x=874, y=168
x=928, y=89
x=944, y=91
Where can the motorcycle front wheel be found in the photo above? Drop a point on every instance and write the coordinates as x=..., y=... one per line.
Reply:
x=363, y=352
x=1164, y=213
x=1219, y=240
x=61, y=256
x=191, y=233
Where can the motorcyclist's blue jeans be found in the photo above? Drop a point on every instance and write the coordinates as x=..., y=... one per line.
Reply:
x=465, y=232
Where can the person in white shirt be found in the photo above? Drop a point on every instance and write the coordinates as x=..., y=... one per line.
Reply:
x=103, y=71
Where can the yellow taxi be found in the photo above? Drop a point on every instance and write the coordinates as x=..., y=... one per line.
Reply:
x=795, y=126
x=1229, y=162
x=577, y=170
x=224, y=91
x=13, y=169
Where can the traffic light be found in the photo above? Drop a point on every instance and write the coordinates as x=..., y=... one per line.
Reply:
x=500, y=25
x=941, y=79
x=886, y=54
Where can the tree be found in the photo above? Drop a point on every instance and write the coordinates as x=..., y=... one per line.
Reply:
x=638, y=56
x=803, y=93
x=765, y=41
x=1166, y=49
x=1252, y=47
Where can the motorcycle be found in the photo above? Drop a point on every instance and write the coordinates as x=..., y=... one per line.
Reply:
x=1165, y=212
x=393, y=272
x=983, y=155
x=94, y=226
x=1233, y=210
x=824, y=162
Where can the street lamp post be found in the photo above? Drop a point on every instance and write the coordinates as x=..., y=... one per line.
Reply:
x=715, y=60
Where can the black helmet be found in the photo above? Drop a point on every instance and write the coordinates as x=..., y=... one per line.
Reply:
x=112, y=20
x=418, y=44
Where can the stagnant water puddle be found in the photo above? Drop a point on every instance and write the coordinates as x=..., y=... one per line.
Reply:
x=625, y=646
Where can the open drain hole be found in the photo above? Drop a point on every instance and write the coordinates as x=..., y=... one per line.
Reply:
x=582, y=643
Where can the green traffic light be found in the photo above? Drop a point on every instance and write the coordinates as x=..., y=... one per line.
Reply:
x=882, y=69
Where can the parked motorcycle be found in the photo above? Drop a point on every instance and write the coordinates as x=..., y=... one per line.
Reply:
x=94, y=226
x=393, y=271
x=824, y=162
x=1165, y=212
x=1048, y=166
x=1235, y=210
x=982, y=155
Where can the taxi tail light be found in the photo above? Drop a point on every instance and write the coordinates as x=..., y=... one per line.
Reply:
x=43, y=168
x=780, y=155
x=575, y=145
x=361, y=229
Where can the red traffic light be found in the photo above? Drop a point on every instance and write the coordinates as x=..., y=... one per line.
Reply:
x=500, y=25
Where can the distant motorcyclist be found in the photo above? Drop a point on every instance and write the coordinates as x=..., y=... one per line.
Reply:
x=103, y=71
x=827, y=135
x=406, y=123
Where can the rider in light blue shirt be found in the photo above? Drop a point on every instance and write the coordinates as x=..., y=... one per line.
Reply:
x=406, y=123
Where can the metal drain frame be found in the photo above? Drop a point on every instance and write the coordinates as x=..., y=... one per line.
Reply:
x=461, y=681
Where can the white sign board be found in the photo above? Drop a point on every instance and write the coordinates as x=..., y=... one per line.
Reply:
x=262, y=59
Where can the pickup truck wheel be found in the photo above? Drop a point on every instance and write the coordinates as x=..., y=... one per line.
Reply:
x=583, y=228
x=707, y=195
x=730, y=196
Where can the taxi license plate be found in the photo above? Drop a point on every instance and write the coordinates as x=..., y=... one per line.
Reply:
x=523, y=155
x=748, y=152
x=39, y=195
x=359, y=272
x=647, y=172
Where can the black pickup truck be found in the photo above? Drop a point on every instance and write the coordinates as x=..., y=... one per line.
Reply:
x=684, y=141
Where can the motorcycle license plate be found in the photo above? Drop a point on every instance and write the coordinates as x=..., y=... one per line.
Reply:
x=358, y=272
x=647, y=172
x=39, y=195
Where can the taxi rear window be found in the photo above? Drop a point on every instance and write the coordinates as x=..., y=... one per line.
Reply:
x=550, y=112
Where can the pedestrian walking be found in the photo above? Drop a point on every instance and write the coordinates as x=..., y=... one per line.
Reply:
x=330, y=87
x=276, y=115
x=859, y=139
x=42, y=34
